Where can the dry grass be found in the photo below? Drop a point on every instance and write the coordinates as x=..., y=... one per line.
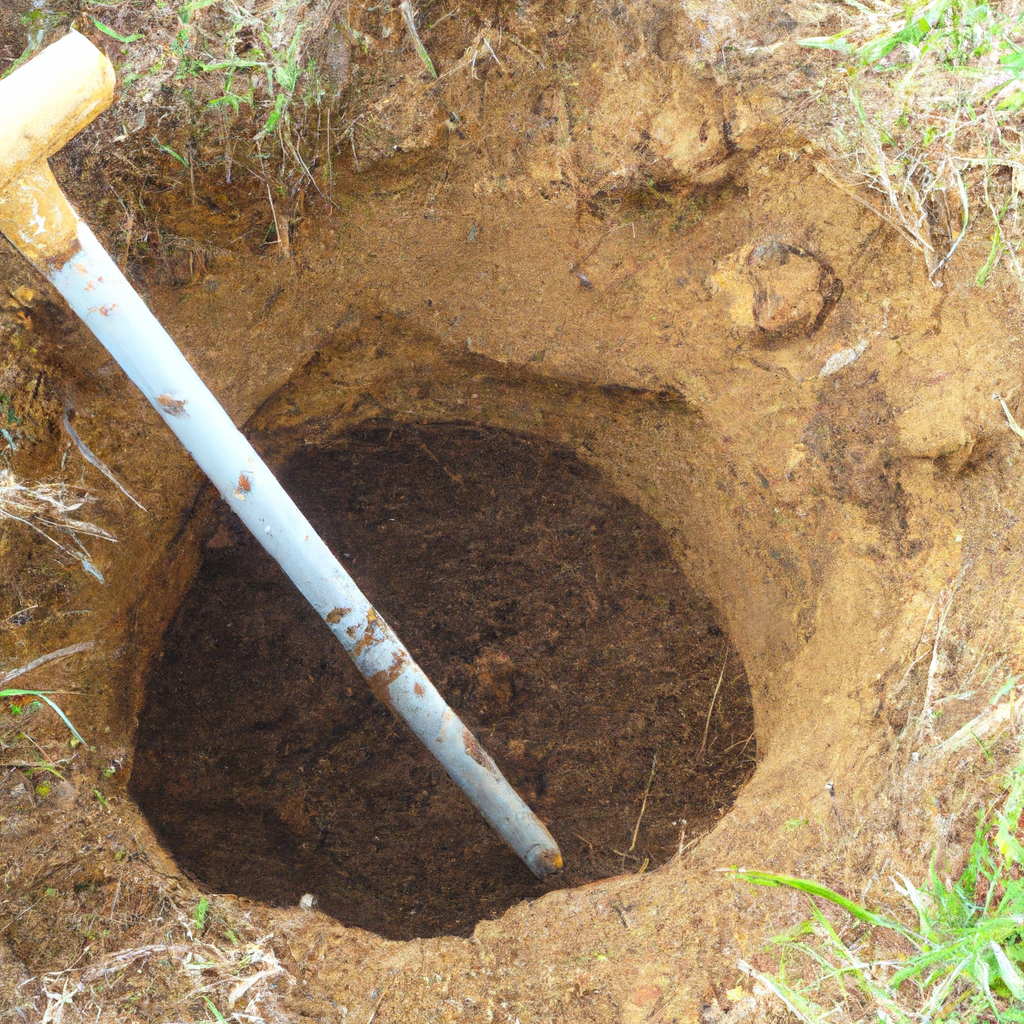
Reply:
x=48, y=509
x=235, y=982
x=105, y=935
x=924, y=105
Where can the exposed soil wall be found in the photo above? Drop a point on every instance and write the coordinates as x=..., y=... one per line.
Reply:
x=748, y=365
x=550, y=614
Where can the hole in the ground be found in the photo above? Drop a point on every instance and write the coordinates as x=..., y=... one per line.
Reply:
x=548, y=610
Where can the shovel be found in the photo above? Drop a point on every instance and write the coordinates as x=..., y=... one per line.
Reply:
x=42, y=106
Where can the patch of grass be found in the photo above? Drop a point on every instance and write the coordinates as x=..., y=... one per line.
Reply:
x=241, y=65
x=171, y=976
x=925, y=102
x=216, y=1013
x=199, y=916
x=114, y=34
x=18, y=749
x=243, y=58
x=39, y=22
x=961, y=960
x=409, y=16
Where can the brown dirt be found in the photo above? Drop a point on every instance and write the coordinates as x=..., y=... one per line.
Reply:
x=549, y=612
x=823, y=519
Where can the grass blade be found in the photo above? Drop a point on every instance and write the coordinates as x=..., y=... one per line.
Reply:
x=817, y=889
x=42, y=696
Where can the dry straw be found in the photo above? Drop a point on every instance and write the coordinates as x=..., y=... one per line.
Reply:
x=48, y=509
x=925, y=110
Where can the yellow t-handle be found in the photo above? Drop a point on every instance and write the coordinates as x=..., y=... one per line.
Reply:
x=45, y=103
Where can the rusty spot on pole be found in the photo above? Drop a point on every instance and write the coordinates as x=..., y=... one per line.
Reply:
x=244, y=483
x=172, y=406
x=418, y=689
x=380, y=681
x=68, y=251
x=335, y=615
x=475, y=751
x=370, y=635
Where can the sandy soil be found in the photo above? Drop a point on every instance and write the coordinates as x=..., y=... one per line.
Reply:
x=626, y=253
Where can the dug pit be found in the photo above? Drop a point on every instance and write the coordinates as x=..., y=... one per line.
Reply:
x=550, y=612
x=734, y=366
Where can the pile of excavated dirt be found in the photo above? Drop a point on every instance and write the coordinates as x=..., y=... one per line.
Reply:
x=605, y=394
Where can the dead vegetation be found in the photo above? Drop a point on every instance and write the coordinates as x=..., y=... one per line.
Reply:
x=922, y=104
x=47, y=509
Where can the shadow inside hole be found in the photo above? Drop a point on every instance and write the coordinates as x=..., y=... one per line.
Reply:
x=549, y=612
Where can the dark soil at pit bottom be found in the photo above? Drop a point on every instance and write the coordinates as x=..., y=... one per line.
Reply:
x=549, y=612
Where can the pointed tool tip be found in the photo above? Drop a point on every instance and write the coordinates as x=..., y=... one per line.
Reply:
x=544, y=861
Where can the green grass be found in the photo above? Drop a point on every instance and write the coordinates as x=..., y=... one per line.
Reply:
x=237, y=66
x=219, y=1017
x=959, y=959
x=40, y=696
x=243, y=58
x=409, y=16
x=925, y=105
x=199, y=915
x=20, y=750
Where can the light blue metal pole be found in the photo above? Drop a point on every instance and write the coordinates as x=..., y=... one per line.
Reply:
x=78, y=266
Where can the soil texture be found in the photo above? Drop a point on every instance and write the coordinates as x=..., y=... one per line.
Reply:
x=546, y=608
x=662, y=343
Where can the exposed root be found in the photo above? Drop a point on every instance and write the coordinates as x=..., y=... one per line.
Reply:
x=44, y=508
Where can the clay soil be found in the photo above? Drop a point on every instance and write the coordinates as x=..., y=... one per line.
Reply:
x=605, y=391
